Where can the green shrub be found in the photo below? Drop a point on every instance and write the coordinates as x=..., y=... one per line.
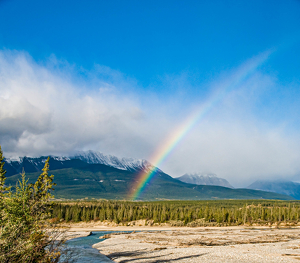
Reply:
x=25, y=234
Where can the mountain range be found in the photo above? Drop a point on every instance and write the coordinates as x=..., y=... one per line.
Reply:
x=95, y=175
x=29, y=164
x=278, y=186
x=204, y=179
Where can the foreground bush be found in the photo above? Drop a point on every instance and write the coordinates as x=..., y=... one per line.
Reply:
x=25, y=233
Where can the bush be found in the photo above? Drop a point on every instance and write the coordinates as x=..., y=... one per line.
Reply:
x=25, y=234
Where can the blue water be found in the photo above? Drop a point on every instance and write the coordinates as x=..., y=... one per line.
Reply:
x=80, y=249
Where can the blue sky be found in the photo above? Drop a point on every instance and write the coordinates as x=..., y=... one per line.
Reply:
x=148, y=39
x=150, y=64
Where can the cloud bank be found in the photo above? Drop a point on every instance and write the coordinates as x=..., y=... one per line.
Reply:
x=55, y=108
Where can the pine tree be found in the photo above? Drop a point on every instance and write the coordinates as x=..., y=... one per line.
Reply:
x=3, y=189
x=95, y=214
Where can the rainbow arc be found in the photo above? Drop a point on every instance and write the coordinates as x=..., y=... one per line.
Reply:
x=160, y=155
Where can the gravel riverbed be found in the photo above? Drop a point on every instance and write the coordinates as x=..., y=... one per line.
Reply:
x=204, y=245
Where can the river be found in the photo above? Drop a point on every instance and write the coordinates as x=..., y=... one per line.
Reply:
x=80, y=249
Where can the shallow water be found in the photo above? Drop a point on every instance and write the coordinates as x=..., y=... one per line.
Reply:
x=81, y=248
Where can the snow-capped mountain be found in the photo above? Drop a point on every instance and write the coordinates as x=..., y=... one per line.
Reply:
x=35, y=160
x=31, y=164
x=131, y=164
x=204, y=179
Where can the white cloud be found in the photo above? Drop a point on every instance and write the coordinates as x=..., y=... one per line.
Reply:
x=54, y=108
x=43, y=112
x=243, y=139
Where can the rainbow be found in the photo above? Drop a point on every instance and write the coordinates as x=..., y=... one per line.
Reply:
x=173, y=140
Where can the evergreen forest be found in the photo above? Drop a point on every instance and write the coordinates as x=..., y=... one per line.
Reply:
x=181, y=213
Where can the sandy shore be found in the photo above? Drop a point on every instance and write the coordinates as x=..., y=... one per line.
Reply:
x=229, y=244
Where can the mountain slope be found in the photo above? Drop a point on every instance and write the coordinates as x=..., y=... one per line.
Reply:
x=102, y=181
x=282, y=187
x=95, y=175
x=204, y=179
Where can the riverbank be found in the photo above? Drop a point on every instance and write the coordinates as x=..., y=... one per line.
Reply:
x=75, y=234
x=227, y=244
x=110, y=226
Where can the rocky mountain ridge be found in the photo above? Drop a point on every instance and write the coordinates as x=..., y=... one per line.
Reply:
x=130, y=164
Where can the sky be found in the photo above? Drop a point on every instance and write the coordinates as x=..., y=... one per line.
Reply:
x=123, y=77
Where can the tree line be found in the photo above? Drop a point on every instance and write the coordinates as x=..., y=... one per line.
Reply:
x=192, y=213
